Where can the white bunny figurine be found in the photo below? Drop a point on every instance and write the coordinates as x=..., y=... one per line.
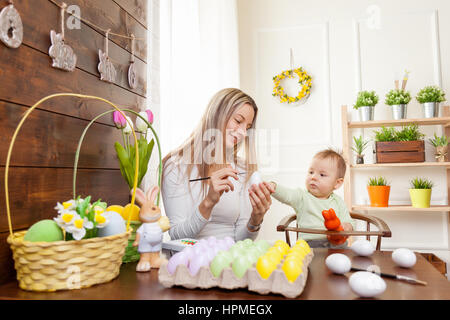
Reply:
x=149, y=235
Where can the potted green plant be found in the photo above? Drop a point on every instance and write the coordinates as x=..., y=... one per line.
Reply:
x=398, y=99
x=430, y=97
x=405, y=145
x=379, y=190
x=420, y=192
x=441, y=147
x=359, y=146
x=365, y=103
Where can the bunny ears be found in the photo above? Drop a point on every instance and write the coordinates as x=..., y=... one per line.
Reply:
x=141, y=198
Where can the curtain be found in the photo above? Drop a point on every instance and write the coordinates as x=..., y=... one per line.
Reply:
x=199, y=55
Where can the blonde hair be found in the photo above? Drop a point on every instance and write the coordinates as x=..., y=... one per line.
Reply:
x=335, y=156
x=217, y=114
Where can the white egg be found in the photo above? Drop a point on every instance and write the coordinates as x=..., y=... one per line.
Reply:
x=362, y=247
x=404, y=257
x=366, y=284
x=338, y=263
x=116, y=225
x=256, y=178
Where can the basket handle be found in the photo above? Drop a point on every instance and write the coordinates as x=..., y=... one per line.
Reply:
x=77, y=154
x=8, y=157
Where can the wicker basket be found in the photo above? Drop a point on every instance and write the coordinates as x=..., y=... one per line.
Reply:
x=51, y=266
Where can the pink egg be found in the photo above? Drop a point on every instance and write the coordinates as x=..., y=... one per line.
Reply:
x=212, y=241
x=229, y=241
x=176, y=260
x=188, y=251
x=197, y=262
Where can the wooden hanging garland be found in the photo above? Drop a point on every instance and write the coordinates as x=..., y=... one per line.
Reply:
x=11, y=27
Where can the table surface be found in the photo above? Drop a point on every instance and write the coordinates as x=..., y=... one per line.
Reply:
x=321, y=284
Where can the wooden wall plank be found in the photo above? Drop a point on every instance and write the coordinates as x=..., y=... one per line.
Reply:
x=107, y=14
x=27, y=77
x=34, y=192
x=85, y=42
x=51, y=140
x=136, y=8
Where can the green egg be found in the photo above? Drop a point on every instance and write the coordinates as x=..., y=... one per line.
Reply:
x=247, y=242
x=240, y=265
x=44, y=231
x=263, y=245
x=220, y=262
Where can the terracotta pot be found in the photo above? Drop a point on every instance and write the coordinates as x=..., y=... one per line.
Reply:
x=379, y=195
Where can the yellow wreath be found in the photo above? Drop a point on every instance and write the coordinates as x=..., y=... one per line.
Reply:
x=304, y=81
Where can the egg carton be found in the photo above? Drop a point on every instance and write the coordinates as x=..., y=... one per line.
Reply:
x=276, y=283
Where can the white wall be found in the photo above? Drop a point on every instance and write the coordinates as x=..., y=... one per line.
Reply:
x=345, y=46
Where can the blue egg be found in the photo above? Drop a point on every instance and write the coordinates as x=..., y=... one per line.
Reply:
x=116, y=225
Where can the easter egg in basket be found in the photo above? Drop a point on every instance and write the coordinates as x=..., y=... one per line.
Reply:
x=133, y=211
x=116, y=225
x=44, y=230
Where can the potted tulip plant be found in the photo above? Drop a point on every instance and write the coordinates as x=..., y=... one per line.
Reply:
x=359, y=146
x=430, y=97
x=420, y=192
x=379, y=190
x=365, y=103
x=441, y=147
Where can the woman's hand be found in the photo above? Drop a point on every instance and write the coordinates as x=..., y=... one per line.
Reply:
x=219, y=183
x=261, y=201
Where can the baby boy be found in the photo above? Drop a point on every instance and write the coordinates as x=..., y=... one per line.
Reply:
x=325, y=174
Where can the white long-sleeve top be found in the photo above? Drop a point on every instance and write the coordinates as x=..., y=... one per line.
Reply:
x=229, y=217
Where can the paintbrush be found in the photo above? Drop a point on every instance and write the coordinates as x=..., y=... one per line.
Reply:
x=206, y=178
x=393, y=276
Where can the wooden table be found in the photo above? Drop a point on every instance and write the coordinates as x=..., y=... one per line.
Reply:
x=321, y=284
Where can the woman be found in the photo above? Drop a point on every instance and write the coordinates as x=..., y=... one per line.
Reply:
x=223, y=205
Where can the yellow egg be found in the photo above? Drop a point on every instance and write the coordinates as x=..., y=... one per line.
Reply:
x=134, y=212
x=296, y=253
x=292, y=269
x=303, y=244
x=265, y=266
x=275, y=254
x=301, y=250
x=283, y=244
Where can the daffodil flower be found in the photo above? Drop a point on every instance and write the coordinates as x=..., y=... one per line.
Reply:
x=66, y=218
x=78, y=228
x=102, y=219
x=65, y=206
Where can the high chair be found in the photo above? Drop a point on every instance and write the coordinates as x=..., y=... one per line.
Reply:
x=383, y=229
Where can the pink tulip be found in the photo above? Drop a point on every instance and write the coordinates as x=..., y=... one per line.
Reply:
x=149, y=116
x=119, y=120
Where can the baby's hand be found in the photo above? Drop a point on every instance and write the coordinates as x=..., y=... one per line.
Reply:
x=271, y=186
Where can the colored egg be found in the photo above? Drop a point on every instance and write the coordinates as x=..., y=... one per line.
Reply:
x=229, y=241
x=297, y=254
x=282, y=244
x=265, y=266
x=253, y=254
x=197, y=262
x=303, y=244
x=240, y=266
x=180, y=258
x=116, y=225
x=220, y=262
x=262, y=244
x=247, y=242
x=275, y=253
x=212, y=241
x=298, y=250
x=128, y=210
x=236, y=252
x=45, y=230
x=292, y=269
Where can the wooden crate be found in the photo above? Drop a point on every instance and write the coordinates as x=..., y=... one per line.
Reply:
x=400, y=151
x=440, y=265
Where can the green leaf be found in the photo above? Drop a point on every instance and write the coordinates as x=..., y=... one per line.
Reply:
x=126, y=166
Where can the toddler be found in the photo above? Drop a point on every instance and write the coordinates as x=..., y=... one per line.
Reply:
x=325, y=174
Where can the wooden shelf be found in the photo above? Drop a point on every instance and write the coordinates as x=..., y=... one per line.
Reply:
x=436, y=208
x=410, y=164
x=445, y=121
